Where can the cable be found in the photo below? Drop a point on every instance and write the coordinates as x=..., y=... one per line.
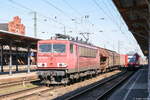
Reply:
x=77, y=12
x=58, y=9
x=109, y=17
x=112, y=21
x=49, y=3
x=38, y=13
x=12, y=1
x=24, y=7
x=121, y=20
x=117, y=14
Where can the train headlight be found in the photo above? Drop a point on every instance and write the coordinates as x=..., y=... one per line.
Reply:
x=62, y=65
x=42, y=64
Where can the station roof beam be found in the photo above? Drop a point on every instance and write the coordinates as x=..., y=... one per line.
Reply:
x=136, y=15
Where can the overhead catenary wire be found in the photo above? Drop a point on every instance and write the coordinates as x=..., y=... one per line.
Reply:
x=123, y=23
x=110, y=18
x=52, y=5
x=68, y=4
x=73, y=9
x=119, y=16
x=113, y=16
x=12, y=1
x=38, y=13
x=78, y=12
x=31, y=10
x=42, y=14
x=60, y=10
x=111, y=4
x=26, y=8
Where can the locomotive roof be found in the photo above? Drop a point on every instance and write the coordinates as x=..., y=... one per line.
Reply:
x=82, y=43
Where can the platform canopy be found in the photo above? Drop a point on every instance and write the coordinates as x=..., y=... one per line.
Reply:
x=136, y=15
x=17, y=40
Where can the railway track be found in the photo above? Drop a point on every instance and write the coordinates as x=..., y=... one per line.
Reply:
x=15, y=83
x=34, y=95
x=98, y=90
x=23, y=93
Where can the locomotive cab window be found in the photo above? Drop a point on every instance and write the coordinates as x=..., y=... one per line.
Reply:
x=71, y=48
x=59, y=48
x=45, y=48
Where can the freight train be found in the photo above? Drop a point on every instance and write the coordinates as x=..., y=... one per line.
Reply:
x=62, y=61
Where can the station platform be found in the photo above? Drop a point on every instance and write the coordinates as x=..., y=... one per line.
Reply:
x=21, y=69
x=17, y=77
x=135, y=88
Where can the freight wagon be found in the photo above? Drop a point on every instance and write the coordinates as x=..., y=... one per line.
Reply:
x=123, y=61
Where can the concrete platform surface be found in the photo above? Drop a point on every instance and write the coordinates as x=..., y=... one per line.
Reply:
x=17, y=77
x=136, y=88
x=21, y=69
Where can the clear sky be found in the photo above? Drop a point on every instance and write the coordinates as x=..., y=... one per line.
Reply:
x=99, y=17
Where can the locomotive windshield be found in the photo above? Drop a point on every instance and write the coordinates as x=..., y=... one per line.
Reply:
x=59, y=48
x=131, y=60
x=52, y=48
x=45, y=48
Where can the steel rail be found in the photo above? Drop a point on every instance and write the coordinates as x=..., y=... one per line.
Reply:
x=96, y=85
x=9, y=95
x=10, y=84
x=36, y=94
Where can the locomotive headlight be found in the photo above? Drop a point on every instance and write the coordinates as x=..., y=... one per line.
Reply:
x=39, y=64
x=42, y=64
x=62, y=65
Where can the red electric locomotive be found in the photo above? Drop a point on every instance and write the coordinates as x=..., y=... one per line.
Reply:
x=133, y=61
x=60, y=61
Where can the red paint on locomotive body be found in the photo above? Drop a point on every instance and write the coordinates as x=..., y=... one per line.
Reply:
x=48, y=59
x=133, y=60
x=60, y=61
x=70, y=59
